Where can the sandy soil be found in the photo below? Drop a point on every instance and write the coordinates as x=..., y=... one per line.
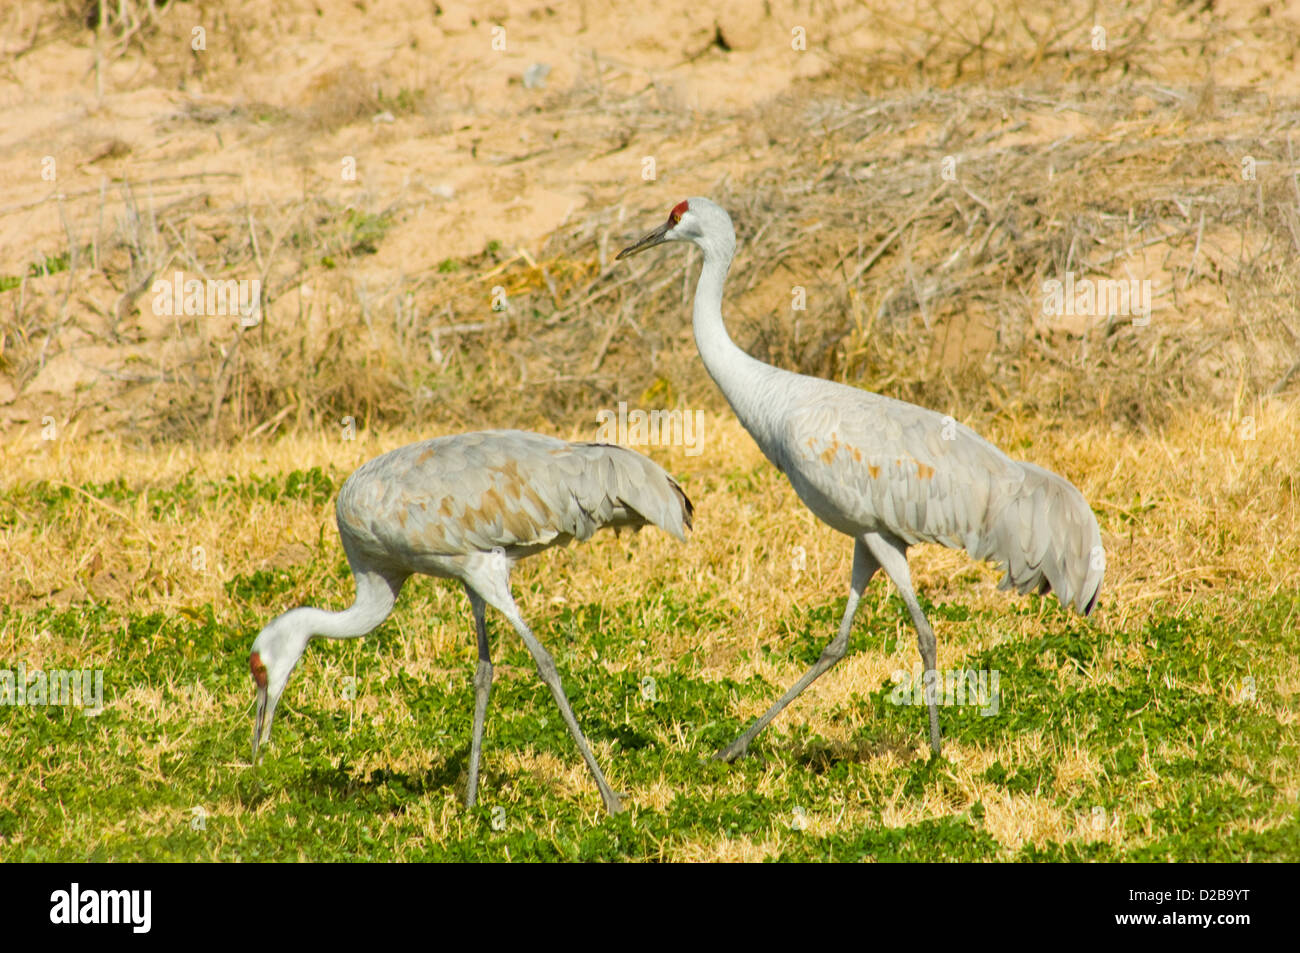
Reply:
x=210, y=112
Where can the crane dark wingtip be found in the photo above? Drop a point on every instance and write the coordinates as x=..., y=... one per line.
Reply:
x=688, y=508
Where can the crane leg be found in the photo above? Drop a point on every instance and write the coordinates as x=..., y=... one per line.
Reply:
x=892, y=556
x=864, y=567
x=546, y=668
x=482, y=692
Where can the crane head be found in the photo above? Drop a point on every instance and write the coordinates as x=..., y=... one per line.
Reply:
x=275, y=654
x=694, y=220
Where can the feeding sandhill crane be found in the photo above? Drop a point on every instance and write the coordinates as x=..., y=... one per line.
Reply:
x=887, y=473
x=467, y=507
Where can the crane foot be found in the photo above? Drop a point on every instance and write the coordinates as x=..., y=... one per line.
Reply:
x=733, y=751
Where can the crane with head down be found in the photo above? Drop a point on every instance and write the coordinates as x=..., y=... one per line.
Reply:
x=887, y=473
x=467, y=507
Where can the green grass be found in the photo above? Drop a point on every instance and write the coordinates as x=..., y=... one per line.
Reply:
x=1167, y=738
x=345, y=234
x=178, y=501
x=1189, y=769
x=49, y=265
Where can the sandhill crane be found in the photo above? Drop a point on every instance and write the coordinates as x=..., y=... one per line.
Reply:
x=467, y=507
x=887, y=473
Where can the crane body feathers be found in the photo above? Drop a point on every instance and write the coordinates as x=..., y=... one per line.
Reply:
x=430, y=504
x=866, y=463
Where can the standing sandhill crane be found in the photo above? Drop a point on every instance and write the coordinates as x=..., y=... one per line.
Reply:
x=467, y=507
x=887, y=473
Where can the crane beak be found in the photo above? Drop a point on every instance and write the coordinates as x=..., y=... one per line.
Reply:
x=657, y=237
x=259, y=721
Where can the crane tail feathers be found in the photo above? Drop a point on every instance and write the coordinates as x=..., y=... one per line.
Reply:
x=632, y=490
x=1046, y=539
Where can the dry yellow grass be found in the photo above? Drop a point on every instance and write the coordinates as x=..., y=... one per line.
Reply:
x=1185, y=513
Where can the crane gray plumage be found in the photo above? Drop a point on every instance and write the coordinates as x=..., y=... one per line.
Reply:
x=864, y=463
x=887, y=473
x=467, y=507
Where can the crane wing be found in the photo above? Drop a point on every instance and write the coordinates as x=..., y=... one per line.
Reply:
x=506, y=489
x=867, y=463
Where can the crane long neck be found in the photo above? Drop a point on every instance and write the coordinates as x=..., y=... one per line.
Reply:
x=376, y=596
x=743, y=380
